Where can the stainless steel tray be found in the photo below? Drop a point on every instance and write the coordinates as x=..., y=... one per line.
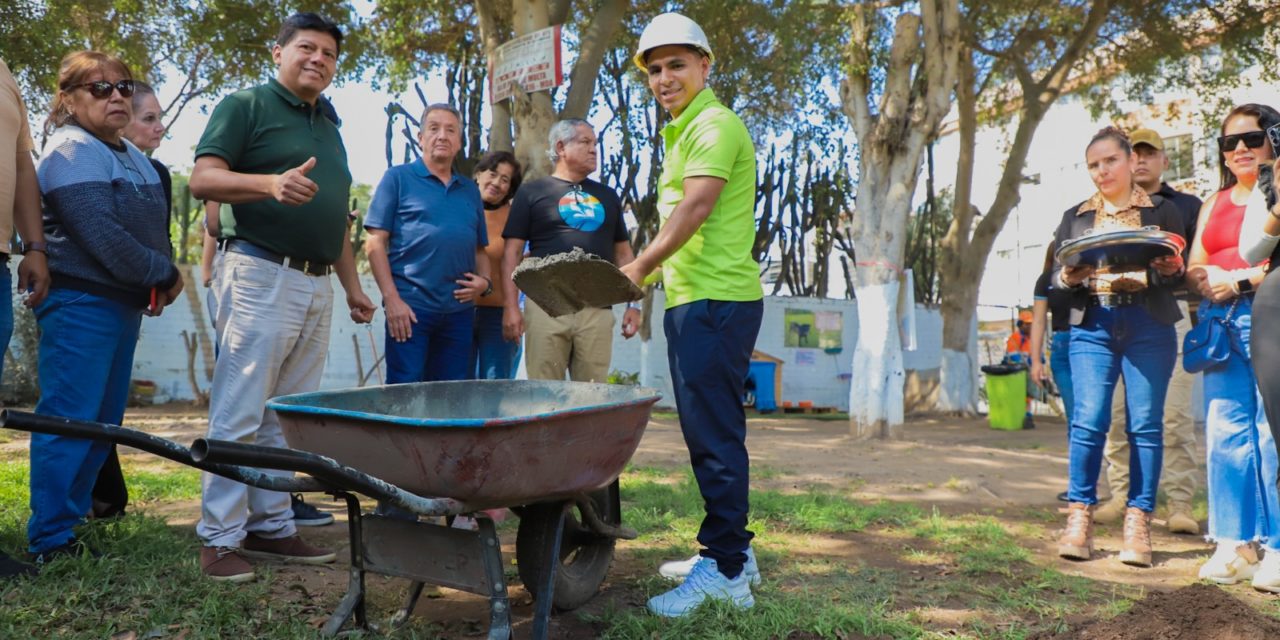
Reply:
x=1122, y=247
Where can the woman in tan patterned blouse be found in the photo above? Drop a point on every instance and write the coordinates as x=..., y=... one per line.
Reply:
x=1121, y=324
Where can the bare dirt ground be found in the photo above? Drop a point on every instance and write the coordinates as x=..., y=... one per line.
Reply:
x=953, y=465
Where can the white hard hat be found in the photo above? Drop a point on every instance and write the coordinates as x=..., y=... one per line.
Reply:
x=671, y=28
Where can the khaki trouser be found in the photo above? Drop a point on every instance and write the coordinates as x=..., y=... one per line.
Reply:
x=1178, y=475
x=273, y=336
x=580, y=342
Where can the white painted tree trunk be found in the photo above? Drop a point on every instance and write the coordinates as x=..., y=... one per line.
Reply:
x=876, y=390
x=891, y=141
x=957, y=388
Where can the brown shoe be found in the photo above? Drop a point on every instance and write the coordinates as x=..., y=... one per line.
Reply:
x=290, y=549
x=224, y=564
x=1076, y=542
x=1136, y=550
x=1180, y=520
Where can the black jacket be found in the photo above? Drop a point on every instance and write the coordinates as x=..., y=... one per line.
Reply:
x=1159, y=293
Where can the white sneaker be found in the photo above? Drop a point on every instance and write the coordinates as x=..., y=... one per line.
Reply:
x=678, y=569
x=704, y=582
x=1228, y=565
x=1268, y=576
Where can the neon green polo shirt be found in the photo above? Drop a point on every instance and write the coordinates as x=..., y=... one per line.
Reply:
x=269, y=130
x=715, y=264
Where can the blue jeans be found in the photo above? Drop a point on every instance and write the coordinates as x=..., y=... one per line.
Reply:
x=439, y=349
x=493, y=357
x=6, y=312
x=1242, y=463
x=1112, y=341
x=1060, y=365
x=709, y=345
x=86, y=358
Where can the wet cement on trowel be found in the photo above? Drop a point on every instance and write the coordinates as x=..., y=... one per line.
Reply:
x=565, y=283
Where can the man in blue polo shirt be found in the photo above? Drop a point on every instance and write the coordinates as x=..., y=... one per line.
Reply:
x=271, y=154
x=426, y=248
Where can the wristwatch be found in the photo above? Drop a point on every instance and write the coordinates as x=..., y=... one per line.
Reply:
x=1244, y=285
x=42, y=247
x=488, y=290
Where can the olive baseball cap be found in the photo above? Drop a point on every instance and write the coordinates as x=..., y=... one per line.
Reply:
x=1147, y=137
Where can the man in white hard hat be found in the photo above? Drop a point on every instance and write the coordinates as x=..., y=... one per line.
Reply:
x=706, y=199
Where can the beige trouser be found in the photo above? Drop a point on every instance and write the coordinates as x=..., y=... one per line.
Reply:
x=273, y=338
x=1178, y=475
x=581, y=342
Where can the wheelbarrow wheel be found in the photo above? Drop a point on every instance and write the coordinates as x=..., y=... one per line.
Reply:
x=585, y=556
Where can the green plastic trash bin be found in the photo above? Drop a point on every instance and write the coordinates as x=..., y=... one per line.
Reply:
x=1006, y=395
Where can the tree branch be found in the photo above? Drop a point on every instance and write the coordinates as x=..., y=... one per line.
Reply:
x=595, y=41
x=855, y=90
x=941, y=54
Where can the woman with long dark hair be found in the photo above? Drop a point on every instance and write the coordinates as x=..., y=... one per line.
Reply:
x=1242, y=461
x=1121, y=324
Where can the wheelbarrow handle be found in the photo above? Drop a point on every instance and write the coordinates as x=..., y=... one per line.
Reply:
x=325, y=469
x=33, y=423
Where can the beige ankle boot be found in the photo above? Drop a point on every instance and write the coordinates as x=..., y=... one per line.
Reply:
x=1076, y=542
x=1136, y=550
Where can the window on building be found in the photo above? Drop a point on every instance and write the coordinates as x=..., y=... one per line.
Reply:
x=1181, y=159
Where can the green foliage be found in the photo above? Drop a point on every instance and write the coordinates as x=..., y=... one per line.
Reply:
x=624, y=377
x=214, y=46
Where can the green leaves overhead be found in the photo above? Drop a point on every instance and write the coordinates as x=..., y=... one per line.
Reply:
x=206, y=48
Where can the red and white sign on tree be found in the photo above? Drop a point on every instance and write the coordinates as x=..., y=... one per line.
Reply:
x=530, y=63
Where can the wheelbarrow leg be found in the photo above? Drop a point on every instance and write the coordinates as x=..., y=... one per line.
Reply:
x=353, y=602
x=402, y=616
x=499, y=604
x=546, y=592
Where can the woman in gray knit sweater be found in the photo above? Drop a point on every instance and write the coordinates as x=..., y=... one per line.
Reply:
x=109, y=257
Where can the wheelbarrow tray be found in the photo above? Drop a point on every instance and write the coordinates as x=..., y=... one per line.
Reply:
x=486, y=443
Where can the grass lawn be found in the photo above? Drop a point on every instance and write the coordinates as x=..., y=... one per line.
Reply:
x=816, y=585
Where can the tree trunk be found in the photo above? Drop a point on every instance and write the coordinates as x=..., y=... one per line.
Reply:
x=595, y=40
x=533, y=112
x=500, y=129
x=916, y=95
x=967, y=246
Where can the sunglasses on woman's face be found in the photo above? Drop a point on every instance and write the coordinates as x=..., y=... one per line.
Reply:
x=1251, y=139
x=102, y=89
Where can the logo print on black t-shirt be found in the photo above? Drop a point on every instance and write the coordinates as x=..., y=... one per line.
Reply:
x=581, y=210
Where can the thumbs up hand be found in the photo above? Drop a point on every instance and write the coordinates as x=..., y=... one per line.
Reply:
x=293, y=187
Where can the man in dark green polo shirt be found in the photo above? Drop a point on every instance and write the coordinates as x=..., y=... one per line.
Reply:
x=273, y=156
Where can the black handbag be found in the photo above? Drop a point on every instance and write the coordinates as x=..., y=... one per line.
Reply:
x=1208, y=344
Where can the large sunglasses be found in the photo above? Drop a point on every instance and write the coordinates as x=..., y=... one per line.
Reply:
x=102, y=89
x=1251, y=139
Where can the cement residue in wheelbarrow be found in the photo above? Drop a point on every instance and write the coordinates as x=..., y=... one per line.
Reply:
x=569, y=282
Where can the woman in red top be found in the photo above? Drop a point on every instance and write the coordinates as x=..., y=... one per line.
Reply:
x=1242, y=463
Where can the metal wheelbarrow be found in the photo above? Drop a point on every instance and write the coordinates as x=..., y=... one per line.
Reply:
x=550, y=451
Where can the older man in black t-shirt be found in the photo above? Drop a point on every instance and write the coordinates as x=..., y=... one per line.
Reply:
x=554, y=215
